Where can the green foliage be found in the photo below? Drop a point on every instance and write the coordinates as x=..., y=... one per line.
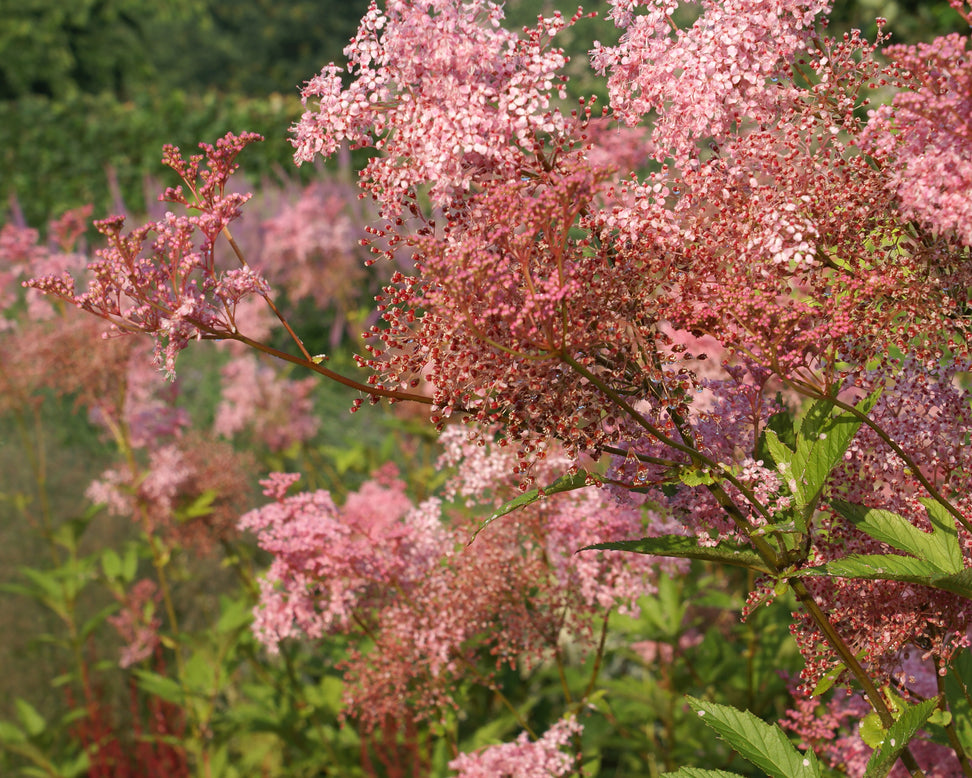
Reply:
x=58, y=154
x=935, y=557
x=906, y=725
x=765, y=745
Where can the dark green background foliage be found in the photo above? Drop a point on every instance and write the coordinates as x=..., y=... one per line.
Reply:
x=88, y=86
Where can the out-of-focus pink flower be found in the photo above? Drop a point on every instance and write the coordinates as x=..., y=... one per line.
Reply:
x=924, y=137
x=542, y=758
x=137, y=622
x=257, y=396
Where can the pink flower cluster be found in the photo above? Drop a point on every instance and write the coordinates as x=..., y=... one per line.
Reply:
x=277, y=410
x=440, y=85
x=327, y=562
x=168, y=285
x=923, y=139
x=705, y=81
x=137, y=623
x=543, y=758
x=430, y=607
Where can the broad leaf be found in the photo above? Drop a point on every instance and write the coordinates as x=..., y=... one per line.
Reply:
x=160, y=686
x=892, y=567
x=822, y=441
x=565, y=483
x=699, y=772
x=765, y=745
x=943, y=528
x=957, y=583
x=939, y=547
x=898, y=737
x=782, y=456
x=726, y=552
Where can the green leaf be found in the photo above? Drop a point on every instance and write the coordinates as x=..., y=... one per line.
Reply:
x=943, y=527
x=892, y=567
x=725, y=552
x=822, y=441
x=765, y=745
x=111, y=563
x=958, y=693
x=201, y=506
x=871, y=730
x=898, y=737
x=31, y=720
x=888, y=527
x=782, y=456
x=565, y=483
x=694, y=476
x=698, y=772
x=11, y=733
x=130, y=563
x=160, y=686
x=958, y=583
x=889, y=567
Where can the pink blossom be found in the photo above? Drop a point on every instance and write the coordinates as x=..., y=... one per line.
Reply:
x=706, y=80
x=137, y=622
x=256, y=395
x=542, y=758
x=168, y=285
x=329, y=561
x=924, y=138
x=442, y=85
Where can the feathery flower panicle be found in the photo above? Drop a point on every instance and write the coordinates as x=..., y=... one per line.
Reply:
x=542, y=758
x=923, y=139
x=705, y=81
x=432, y=606
x=328, y=562
x=277, y=410
x=442, y=87
x=161, y=278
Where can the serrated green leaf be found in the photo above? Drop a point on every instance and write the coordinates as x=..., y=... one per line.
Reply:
x=698, y=772
x=943, y=528
x=895, y=530
x=823, y=439
x=725, y=552
x=765, y=745
x=871, y=730
x=782, y=456
x=890, y=567
x=897, y=738
x=958, y=583
x=565, y=483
